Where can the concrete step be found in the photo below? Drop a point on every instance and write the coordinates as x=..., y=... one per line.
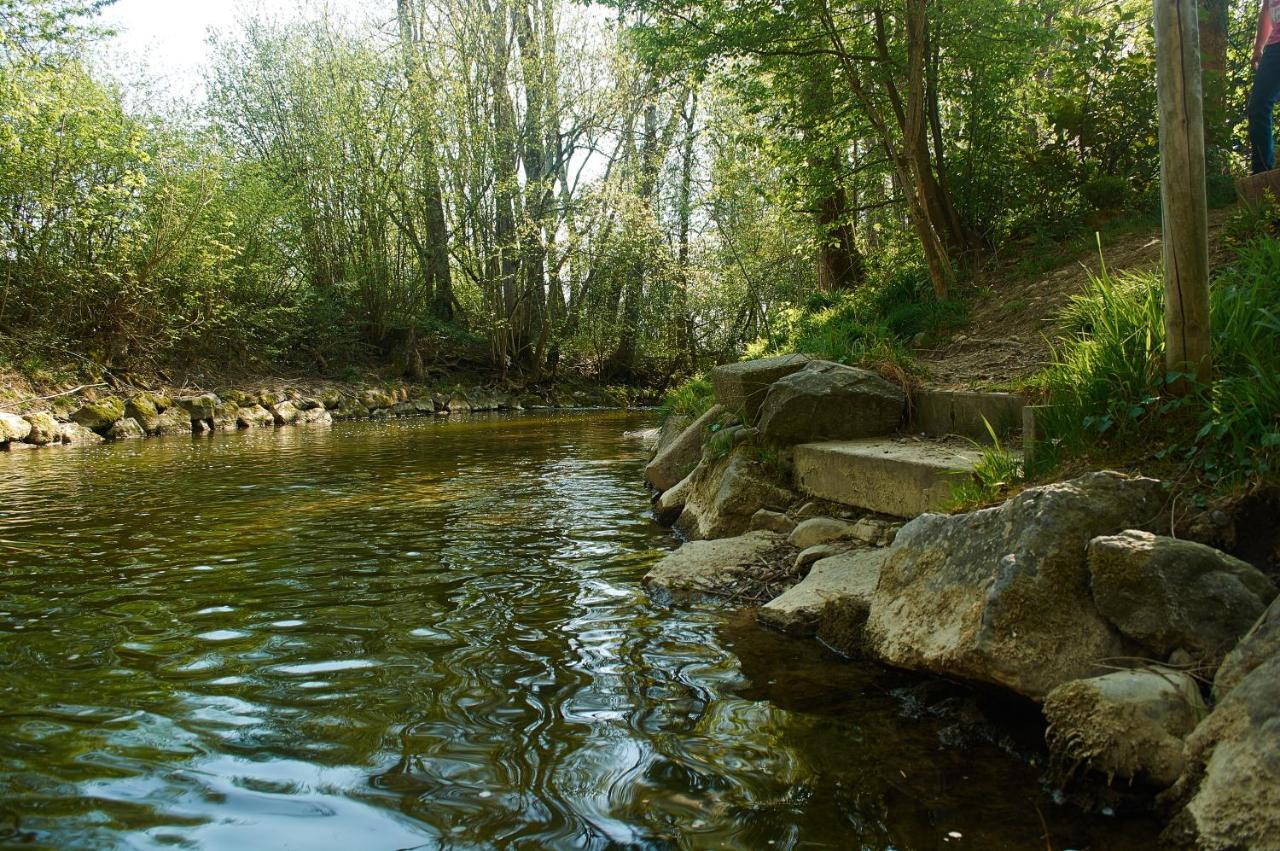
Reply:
x=938, y=413
x=904, y=477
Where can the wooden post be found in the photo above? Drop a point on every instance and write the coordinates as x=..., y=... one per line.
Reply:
x=1182, y=191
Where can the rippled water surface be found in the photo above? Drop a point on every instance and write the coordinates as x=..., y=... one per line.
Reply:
x=431, y=635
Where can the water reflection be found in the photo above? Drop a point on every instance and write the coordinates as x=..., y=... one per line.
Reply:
x=418, y=634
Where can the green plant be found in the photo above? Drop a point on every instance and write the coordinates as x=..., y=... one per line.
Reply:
x=691, y=398
x=998, y=468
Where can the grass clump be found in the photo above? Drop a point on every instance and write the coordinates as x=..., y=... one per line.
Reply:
x=1106, y=386
x=692, y=398
x=998, y=470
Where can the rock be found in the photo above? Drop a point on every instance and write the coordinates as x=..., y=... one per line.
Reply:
x=202, y=426
x=350, y=409
x=375, y=400
x=44, y=429
x=851, y=576
x=681, y=454
x=724, y=494
x=317, y=415
x=99, y=415
x=306, y=403
x=730, y=567
x=1126, y=724
x=669, y=505
x=529, y=402
x=875, y=531
x=284, y=413
x=175, y=420
x=237, y=397
x=17, y=446
x=671, y=428
x=1002, y=595
x=331, y=399
x=74, y=434
x=829, y=401
x=1168, y=594
x=821, y=530
x=200, y=407
x=459, y=404
x=1260, y=643
x=765, y=520
x=741, y=387
x=404, y=409
x=13, y=428
x=127, y=428
x=226, y=417
x=1231, y=787
x=254, y=416
x=144, y=410
x=269, y=398
x=812, y=555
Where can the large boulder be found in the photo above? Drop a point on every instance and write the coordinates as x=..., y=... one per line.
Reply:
x=317, y=415
x=350, y=409
x=671, y=502
x=146, y=409
x=741, y=387
x=74, y=434
x=821, y=530
x=99, y=414
x=375, y=400
x=1231, y=787
x=829, y=401
x=284, y=413
x=725, y=493
x=226, y=417
x=44, y=429
x=681, y=454
x=672, y=427
x=850, y=577
x=175, y=420
x=1260, y=643
x=745, y=568
x=1126, y=724
x=1170, y=595
x=202, y=407
x=13, y=428
x=254, y=416
x=1002, y=595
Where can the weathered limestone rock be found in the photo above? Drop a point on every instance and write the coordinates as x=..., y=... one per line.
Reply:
x=99, y=415
x=1169, y=595
x=741, y=387
x=350, y=409
x=144, y=410
x=226, y=416
x=730, y=567
x=1232, y=783
x=127, y=428
x=13, y=428
x=74, y=434
x=284, y=413
x=44, y=429
x=681, y=454
x=317, y=415
x=875, y=531
x=254, y=416
x=331, y=399
x=829, y=401
x=237, y=397
x=1002, y=595
x=724, y=494
x=765, y=520
x=1126, y=724
x=173, y=421
x=375, y=400
x=672, y=501
x=671, y=428
x=1260, y=643
x=851, y=576
x=810, y=556
x=821, y=530
x=200, y=407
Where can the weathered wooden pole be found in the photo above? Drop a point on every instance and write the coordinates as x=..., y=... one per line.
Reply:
x=1182, y=191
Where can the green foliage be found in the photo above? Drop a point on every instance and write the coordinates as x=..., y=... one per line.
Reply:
x=998, y=469
x=1106, y=384
x=691, y=398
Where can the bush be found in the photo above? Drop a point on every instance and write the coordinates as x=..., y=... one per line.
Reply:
x=1106, y=192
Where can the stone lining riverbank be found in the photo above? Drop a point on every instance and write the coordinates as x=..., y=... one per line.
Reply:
x=96, y=418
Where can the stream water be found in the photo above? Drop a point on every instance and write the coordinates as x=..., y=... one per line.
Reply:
x=421, y=634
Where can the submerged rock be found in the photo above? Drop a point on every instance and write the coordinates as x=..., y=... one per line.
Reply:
x=724, y=494
x=1126, y=724
x=1170, y=595
x=44, y=429
x=673, y=462
x=742, y=387
x=746, y=568
x=1002, y=595
x=850, y=577
x=830, y=401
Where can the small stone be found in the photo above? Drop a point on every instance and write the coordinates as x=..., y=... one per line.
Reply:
x=821, y=530
x=772, y=521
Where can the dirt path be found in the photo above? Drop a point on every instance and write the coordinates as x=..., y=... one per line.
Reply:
x=1011, y=322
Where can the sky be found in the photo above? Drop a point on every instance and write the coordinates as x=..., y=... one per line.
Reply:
x=167, y=39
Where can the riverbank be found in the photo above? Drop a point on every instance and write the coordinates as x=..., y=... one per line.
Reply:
x=99, y=412
x=808, y=492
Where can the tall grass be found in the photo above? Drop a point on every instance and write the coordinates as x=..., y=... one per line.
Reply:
x=692, y=398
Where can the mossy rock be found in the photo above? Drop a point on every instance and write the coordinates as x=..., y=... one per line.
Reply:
x=331, y=399
x=99, y=415
x=237, y=397
x=200, y=407
x=44, y=429
x=376, y=400
x=144, y=410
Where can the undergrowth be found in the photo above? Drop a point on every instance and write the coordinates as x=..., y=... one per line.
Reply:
x=692, y=398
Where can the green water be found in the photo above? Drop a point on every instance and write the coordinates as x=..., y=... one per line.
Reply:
x=431, y=635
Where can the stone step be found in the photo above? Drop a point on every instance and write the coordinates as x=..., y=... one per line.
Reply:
x=938, y=413
x=904, y=477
